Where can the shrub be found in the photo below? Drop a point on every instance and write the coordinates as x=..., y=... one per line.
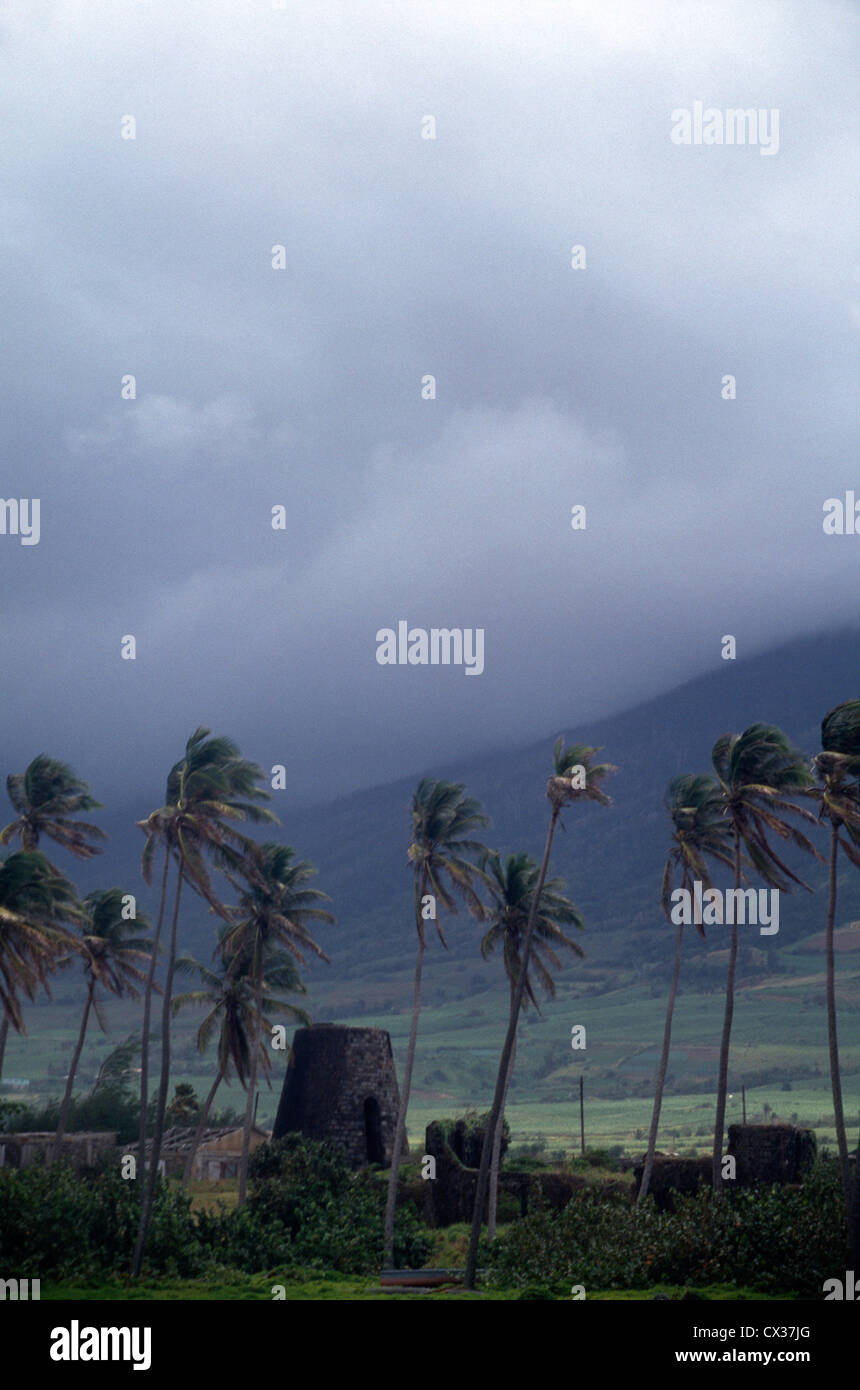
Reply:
x=769, y=1238
x=305, y=1208
x=54, y=1223
x=331, y=1217
x=466, y=1137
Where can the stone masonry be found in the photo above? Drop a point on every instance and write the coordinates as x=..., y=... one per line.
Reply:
x=341, y=1085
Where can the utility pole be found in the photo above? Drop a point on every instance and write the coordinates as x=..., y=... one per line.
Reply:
x=581, y=1116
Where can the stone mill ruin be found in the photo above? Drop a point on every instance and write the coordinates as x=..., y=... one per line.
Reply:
x=341, y=1085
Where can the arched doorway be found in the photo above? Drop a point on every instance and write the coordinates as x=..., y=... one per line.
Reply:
x=373, y=1131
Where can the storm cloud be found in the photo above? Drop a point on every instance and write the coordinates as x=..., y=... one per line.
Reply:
x=408, y=257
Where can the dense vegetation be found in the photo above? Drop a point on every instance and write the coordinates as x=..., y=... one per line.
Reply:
x=305, y=1208
x=769, y=1239
x=307, y=1214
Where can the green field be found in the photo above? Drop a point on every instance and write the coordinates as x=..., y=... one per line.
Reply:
x=779, y=1051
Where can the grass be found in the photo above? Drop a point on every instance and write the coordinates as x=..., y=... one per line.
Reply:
x=233, y=1285
x=210, y=1196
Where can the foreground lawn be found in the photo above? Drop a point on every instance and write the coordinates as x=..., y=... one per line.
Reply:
x=232, y=1285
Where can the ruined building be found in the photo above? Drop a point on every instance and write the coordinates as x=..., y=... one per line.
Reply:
x=775, y=1153
x=341, y=1085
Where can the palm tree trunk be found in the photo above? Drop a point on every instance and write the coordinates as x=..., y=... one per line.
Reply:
x=400, y=1129
x=661, y=1073
x=496, y=1161
x=723, y=1078
x=146, y=1207
x=832, y=1039
x=147, y=1010
x=198, y=1133
x=70, y=1080
x=854, y=1214
x=504, y=1063
x=4, y=1033
x=252, y=1086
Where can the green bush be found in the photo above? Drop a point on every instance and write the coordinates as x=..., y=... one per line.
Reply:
x=305, y=1208
x=767, y=1238
x=598, y=1158
x=465, y=1135
x=105, y=1108
x=243, y=1239
x=331, y=1218
x=55, y=1224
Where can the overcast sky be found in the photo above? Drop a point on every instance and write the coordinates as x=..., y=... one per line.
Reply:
x=258, y=126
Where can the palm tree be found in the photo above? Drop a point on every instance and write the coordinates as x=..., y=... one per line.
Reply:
x=854, y=1213
x=229, y=992
x=209, y=787
x=700, y=831
x=444, y=821
x=511, y=885
x=838, y=767
x=112, y=957
x=276, y=907
x=35, y=903
x=184, y=1105
x=758, y=772
x=575, y=778
x=47, y=797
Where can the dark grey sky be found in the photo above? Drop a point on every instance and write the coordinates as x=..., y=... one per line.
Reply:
x=406, y=256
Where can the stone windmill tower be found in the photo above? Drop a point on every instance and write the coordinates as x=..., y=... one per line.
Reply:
x=341, y=1085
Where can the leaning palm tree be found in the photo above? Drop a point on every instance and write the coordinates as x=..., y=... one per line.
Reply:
x=511, y=885
x=575, y=777
x=276, y=907
x=854, y=1213
x=36, y=904
x=700, y=832
x=208, y=788
x=758, y=773
x=48, y=796
x=112, y=957
x=838, y=768
x=444, y=822
x=229, y=993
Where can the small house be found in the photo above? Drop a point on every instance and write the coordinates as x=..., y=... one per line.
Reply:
x=218, y=1154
